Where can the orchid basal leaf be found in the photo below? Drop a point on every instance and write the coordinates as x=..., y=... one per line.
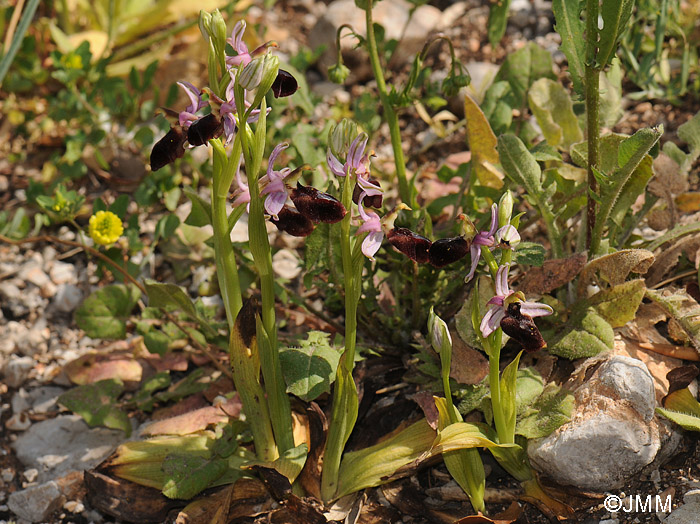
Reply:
x=682, y=408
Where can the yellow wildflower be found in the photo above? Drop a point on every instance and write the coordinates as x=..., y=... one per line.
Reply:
x=105, y=227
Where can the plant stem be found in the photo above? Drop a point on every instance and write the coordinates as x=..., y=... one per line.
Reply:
x=226, y=267
x=345, y=401
x=495, y=387
x=592, y=79
x=279, y=407
x=391, y=116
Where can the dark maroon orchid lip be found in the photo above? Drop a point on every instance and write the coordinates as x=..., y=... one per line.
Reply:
x=374, y=201
x=522, y=328
x=293, y=222
x=169, y=148
x=204, y=129
x=284, y=85
x=413, y=245
x=448, y=250
x=317, y=205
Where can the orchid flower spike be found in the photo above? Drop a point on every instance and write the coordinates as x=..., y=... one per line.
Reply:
x=483, y=238
x=371, y=224
x=275, y=188
x=499, y=304
x=188, y=116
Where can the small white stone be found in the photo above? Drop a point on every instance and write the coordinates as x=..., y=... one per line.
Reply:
x=31, y=474
x=17, y=370
x=7, y=475
x=62, y=273
x=18, y=422
x=68, y=297
x=74, y=506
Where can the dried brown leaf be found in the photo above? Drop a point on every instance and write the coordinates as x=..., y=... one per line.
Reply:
x=196, y=420
x=93, y=367
x=552, y=274
x=615, y=267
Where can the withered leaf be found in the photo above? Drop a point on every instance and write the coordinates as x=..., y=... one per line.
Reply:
x=552, y=274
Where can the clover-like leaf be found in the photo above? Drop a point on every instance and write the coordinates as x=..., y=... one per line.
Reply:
x=104, y=313
x=96, y=403
x=310, y=370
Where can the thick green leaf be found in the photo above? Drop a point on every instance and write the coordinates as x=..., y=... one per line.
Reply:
x=186, y=475
x=519, y=164
x=570, y=27
x=551, y=105
x=615, y=15
x=372, y=466
x=96, y=403
x=104, y=313
x=169, y=295
x=464, y=465
x=498, y=19
x=585, y=335
x=523, y=67
x=508, y=393
x=552, y=409
x=618, y=305
x=310, y=370
x=683, y=408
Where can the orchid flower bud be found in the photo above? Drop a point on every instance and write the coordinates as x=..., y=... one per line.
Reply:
x=217, y=29
x=469, y=230
x=440, y=337
x=505, y=209
x=252, y=74
x=340, y=137
x=205, y=24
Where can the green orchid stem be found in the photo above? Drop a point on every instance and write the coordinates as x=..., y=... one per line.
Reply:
x=491, y=261
x=226, y=267
x=592, y=86
x=391, y=116
x=275, y=389
x=494, y=352
x=345, y=401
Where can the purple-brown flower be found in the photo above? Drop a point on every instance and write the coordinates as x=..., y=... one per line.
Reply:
x=501, y=301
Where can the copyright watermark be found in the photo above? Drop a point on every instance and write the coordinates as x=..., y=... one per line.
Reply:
x=638, y=504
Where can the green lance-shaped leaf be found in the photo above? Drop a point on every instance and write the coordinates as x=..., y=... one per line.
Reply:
x=522, y=168
x=682, y=408
x=310, y=370
x=615, y=14
x=104, y=313
x=96, y=403
x=498, y=19
x=374, y=465
x=508, y=396
x=464, y=465
x=289, y=464
x=585, y=335
x=551, y=105
x=569, y=25
x=187, y=475
x=630, y=154
x=245, y=365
